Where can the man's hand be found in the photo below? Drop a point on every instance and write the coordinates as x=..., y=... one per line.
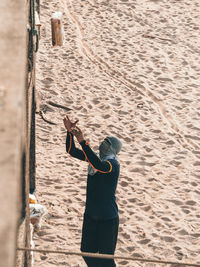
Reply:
x=69, y=125
x=78, y=133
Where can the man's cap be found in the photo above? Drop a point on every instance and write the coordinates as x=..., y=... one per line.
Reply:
x=116, y=144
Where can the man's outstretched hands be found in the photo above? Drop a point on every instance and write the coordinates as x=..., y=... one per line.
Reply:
x=69, y=125
x=78, y=133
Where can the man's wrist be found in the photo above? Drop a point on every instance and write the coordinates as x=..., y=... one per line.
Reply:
x=81, y=140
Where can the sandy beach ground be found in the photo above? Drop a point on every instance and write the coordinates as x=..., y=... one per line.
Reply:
x=131, y=69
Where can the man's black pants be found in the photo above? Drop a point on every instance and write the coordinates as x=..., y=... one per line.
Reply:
x=99, y=236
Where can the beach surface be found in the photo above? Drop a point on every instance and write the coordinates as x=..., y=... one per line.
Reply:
x=128, y=69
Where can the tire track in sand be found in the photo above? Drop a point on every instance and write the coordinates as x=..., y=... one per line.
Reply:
x=116, y=75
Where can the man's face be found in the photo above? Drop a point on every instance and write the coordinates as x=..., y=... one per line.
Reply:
x=104, y=146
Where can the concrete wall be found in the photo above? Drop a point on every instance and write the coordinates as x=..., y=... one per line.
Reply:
x=12, y=83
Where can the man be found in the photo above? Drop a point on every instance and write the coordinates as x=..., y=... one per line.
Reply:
x=101, y=221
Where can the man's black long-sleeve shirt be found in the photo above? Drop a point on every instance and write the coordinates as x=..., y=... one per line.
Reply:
x=101, y=187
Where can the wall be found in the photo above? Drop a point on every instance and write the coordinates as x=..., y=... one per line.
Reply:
x=12, y=83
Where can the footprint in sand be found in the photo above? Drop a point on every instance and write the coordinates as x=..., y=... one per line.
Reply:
x=123, y=263
x=124, y=184
x=132, y=200
x=176, y=202
x=144, y=241
x=190, y=202
x=43, y=257
x=182, y=232
x=168, y=239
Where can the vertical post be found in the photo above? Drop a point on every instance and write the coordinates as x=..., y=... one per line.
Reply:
x=31, y=95
x=30, y=126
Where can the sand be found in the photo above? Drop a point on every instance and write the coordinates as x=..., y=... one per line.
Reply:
x=131, y=69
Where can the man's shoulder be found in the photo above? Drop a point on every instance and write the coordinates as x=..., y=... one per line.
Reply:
x=114, y=162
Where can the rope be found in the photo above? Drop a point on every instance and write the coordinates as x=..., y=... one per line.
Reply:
x=31, y=73
x=107, y=256
x=44, y=119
